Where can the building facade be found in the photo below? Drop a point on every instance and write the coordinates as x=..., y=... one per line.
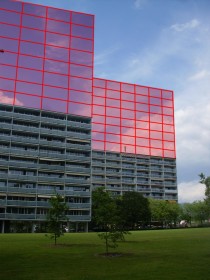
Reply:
x=62, y=130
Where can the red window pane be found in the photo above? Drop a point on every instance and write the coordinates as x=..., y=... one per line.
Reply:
x=155, y=143
x=127, y=96
x=127, y=87
x=9, y=44
x=155, y=92
x=30, y=75
x=83, y=58
x=29, y=88
x=156, y=126
x=57, y=53
x=35, y=10
x=127, y=122
x=11, y=5
x=112, y=129
x=157, y=152
x=167, y=103
x=58, y=14
x=127, y=149
x=6, y=84
x=79, y=96
x=98, y=92
x=168, y=136
x=113, y=94
x=98, y=136
x=128, y=131
x=112, y=137
x=168, y=111
x=142, y=99
x=142, y=107
x=97, y=145
x=8, y=58
x=53, y=92
x=168, y=119
x=98, y=127
x=81, y=44
x=32, y=49
x=142, y=142
x=156, y=135
x=113, y=85
x=56, y=66
x=33, y=22
x=170, y=154
x=83, y=19
x=99, y=83
x=128, y=140
x=143, y=116
x=9, y=17
x=169, y=145
x=142, y=150
x=114, y=112
x=114, y=121
x=155, y=101
x=57, y=40
x=156, y=118
x=142, y=133
x=81, y=71
x=113, y=147
x=6, y=97
x=54, y=105
x=142, y=90
x=79, y=109
x=32, y=35
x=30, y=62
x=81, y=84
x=99, y=110
x=9, y=31
x=168, y=128
x=56, y=80
x=99, y=100
x=58, y=27
x=98, y=119
x=127, y=105
x=167, y=94
x=112, y=102
x=140, y=124
x=155, y=109
x=81, y=31
x=7, y=72
x=27, y=101
x=127, y=114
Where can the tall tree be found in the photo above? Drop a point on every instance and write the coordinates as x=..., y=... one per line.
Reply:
x=134, y=210
x=56, y=216
x=206, y=181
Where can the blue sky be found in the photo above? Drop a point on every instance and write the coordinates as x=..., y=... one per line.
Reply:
x=160, y=43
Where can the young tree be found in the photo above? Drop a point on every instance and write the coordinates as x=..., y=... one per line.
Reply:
x=55, y=216
x=206, y=181
x=106, y=218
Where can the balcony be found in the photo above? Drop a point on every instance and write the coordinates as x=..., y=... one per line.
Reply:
x=46, y=154
x=14, y=216
x=78, y=205
x=3, y=202
x=22, y=152
x=21, y=203
x=83, y=136
x=77, y=193
x=22, y=190
x=76, y=169
x=53, y=121
x=24, y=128
x=78, y=218
x=25, y=117
x=71, y=157
x=79, y=124
x=50, y=144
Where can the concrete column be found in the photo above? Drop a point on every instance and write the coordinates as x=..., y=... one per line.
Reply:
x=2, y=226
x=86, y=227
x=76, y=227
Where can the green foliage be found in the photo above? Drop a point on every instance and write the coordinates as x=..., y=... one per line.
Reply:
x=106, y=217
x=206, y=181
x=56, y=216
x=134, y=210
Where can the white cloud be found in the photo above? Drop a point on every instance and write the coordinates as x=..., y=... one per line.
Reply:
x=200, y=75
x=190, y=191
x=138, y=4
x=185, y=26
x=104, y=56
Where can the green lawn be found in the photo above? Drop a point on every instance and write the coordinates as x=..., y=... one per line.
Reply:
x=159, y=254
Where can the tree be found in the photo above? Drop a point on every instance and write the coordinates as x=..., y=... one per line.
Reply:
x=106, y=217
x=56, y=216
x=206, y=181
x=134, y=210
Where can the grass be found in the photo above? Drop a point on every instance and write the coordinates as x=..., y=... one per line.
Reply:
x=159, y=254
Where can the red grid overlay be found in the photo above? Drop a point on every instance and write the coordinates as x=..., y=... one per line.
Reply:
x=48, y=58
x=48, y=64
x=133, y=119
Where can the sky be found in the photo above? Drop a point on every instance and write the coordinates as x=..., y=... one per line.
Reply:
x=165, y=44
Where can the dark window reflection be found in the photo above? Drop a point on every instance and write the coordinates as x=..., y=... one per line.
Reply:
x=30, y=75
x=8, y=58
x=32, y=35
x=32, y=49
x=35, y=10
x=29, y=88
x=56, y=92
x=30, y=62
x=9, y=44
x=9, y=31
x=81, y=44
x=81, y=31
x=33, y=22
x=58, y=14
x=9, y=17
x=11, y=5
x=6, y=84
x=7, y=72
x=82, y=19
